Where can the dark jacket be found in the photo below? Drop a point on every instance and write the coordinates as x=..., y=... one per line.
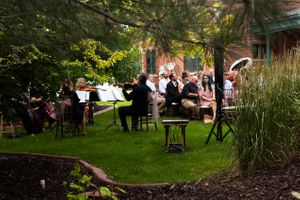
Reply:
x=172, y=94
x=139, y=97
x=77, y=108
x=189, y=88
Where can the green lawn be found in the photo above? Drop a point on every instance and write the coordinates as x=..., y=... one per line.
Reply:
x=134, y=157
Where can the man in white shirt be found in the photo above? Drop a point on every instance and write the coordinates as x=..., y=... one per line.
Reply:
x=151, y=85
x=163, y=83
x=228, y=90
x=161, y=101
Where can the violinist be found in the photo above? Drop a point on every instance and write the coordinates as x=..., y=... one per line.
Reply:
x=139, y=97
x=81, y=85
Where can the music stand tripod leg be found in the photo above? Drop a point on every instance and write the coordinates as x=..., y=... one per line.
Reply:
x=220, y=118
x=115, y=118
x=225, y=119
x=212, y=130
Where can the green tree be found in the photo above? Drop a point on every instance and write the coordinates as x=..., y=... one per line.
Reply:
x=39, y=38
x=128, y=68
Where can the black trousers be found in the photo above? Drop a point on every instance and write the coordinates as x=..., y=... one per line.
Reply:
x=125, y=111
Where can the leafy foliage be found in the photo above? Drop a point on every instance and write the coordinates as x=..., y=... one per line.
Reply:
x=128, y=68
x=37, y=41
x=81, y=183
x=91, y=59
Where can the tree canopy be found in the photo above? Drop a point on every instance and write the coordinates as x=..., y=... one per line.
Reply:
x=42, y=41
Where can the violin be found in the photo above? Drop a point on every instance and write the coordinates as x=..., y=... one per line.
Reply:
x=126, y=86
x=89, y=89
x=129, y=85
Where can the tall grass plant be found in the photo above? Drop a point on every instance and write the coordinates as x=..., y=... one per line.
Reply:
x=268, y=119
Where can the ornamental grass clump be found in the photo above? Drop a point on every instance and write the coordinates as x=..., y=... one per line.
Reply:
x=268, y=114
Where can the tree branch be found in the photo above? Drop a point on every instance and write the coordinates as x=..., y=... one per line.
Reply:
x=13, y=16
x=145, y=27
x=105, y=14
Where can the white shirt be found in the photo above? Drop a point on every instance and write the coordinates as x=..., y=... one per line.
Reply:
x=151, y=85
x=163, y=85
x=175, y=83
x=228, y=85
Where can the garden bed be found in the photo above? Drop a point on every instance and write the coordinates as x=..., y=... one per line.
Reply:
x=21, y=174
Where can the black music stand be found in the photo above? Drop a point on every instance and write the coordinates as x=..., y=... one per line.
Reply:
x=220, y=118
x=111, y=94
x=114, y=123
x=93, y=97
x=219, y=91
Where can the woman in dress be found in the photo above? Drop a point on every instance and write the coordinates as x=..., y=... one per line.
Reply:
x=207, y=98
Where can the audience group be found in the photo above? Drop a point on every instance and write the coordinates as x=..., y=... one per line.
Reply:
x=194, y=95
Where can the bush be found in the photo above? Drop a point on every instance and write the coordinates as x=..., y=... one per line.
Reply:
x=268, y=115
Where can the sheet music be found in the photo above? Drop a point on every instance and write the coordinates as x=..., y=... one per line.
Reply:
x=83, y=96
x=117, y=94
x=109, y=93
x=105, y=95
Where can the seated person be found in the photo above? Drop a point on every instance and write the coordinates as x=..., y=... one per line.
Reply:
x=207, y=98
x=50, y=113
x=69, y=98
x=190, y=97
x=38, y=105
x=163, y=83
x=184, y=79
x=160, y=100
x=82, y=86
x=140, y=97
x=172, y=91
x=228, y=91
x=28, y=115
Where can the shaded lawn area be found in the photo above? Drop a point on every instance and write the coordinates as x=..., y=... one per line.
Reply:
x=134, y=157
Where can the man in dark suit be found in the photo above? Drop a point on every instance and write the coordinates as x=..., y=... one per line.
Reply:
x=139, y=97
x=172, y=91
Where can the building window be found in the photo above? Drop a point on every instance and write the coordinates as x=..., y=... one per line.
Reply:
x=192, y=64
x=151, y=61
x=258, y=51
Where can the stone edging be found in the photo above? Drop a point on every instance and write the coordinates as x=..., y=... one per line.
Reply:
x=98, y=174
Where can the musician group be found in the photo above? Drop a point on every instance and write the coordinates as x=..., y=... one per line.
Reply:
x=193, y=94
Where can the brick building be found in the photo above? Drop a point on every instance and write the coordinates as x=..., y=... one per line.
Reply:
x=154, y=63
x=280, y=35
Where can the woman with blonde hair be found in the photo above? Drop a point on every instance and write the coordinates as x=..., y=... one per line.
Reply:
x=82, y=86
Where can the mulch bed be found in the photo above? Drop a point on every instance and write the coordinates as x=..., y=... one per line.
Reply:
x=20, y=177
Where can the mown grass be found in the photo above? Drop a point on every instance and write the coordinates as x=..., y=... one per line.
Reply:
x=134, y=157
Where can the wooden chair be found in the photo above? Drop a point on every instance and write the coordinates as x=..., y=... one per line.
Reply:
x=173, y=109
x=5, y=127
x=66, y=123
x=144, y=119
